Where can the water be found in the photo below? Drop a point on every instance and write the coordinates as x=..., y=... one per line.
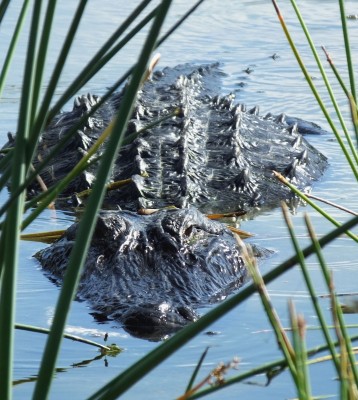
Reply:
x=239, y=35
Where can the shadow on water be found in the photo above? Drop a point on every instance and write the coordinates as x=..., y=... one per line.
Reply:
x=81, y=364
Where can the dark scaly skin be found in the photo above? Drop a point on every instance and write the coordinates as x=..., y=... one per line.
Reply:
x=216, y=155
x=152, y=272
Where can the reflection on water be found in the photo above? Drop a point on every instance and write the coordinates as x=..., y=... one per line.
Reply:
x=239, y=35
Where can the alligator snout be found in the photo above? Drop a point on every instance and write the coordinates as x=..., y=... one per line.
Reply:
x=155, y=321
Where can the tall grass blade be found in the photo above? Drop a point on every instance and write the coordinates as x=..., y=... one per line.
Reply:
x=351, y=102
x=314, y=90
x=300, y=358
x=338, y=312
x=61, y=61
x=348, y=49
x=36, y=329
x=328, y=86
x=312, y=204
x=131, y=375
x=41, y=59
x=92, y=66
x=196, y=371
x=179, y=22
x=11, y=229
x=12, y=46
x=89, y=218
x=3, y=7
x=330, y=203
x=310, y=286
x=281, y=337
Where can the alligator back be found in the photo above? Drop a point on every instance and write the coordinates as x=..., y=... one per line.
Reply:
x=216, y=155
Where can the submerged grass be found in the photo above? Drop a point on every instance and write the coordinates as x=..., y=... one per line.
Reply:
x=35, y=114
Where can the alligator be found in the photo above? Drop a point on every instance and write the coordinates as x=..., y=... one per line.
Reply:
x=215, y=155
x=152, y=272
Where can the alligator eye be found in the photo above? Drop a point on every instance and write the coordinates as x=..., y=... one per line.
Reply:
x=188, y=231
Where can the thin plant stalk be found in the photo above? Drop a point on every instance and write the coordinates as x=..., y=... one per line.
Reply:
x=328, y=86
x=271, y=370
x=309, y=80
x=348, y=49
x=131, y=375
x=196, y=371
x=281, y=337
x=91, y=68
x=87, y=224
x=13, y=43
x=330, y=203
x=41, y=60
x=310, y=287
x=328, y=280
x=41, y=115
x=36, y=329
x=3, y=8
x=352, y=103
x=92, y=111
x=312, y=204
x=300, y=358
x=11, y=231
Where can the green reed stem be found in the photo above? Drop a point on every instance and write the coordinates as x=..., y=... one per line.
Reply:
x=11, y=229
x=84, y=118
x=310, y=286
x=61, y=61
x=3, y=7
x=270, y=369
x=281, y=337
x=196, y=370
x=300, y=358
x=178, y=23
x=351, y=102
x=89, y=218
x=91, y=68
x=328, y=86
x=312, y=204
x=348, y=49
x=36, y=329
x=328, y=281
x=13, y=43
x=40, y=64
x=111, y=53
x=131, y=375
x=313, y=88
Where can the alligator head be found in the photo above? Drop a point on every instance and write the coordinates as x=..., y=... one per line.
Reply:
x=152, y=272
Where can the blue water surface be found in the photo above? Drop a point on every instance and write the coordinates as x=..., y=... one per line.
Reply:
x=239, y=35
